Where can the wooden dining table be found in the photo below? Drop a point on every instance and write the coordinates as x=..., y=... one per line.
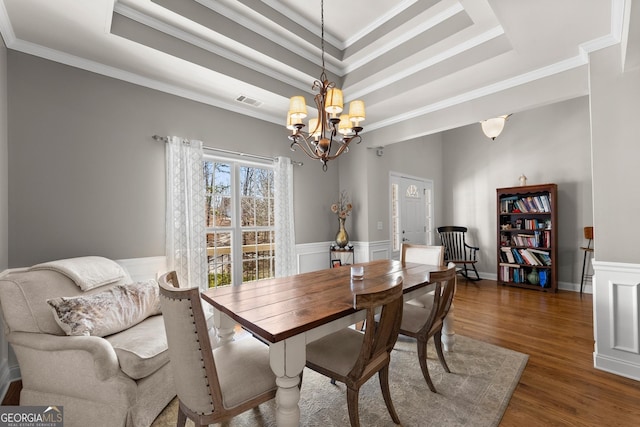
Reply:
x=289, y=312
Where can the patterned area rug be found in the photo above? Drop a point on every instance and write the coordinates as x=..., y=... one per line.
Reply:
x=475, y=393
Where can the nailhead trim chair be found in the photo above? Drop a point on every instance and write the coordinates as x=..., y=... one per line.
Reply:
x=212, y=385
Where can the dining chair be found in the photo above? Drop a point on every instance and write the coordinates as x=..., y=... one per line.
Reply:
x=352, y=357
x=588, y=251
x=457, y=250
x=213, y=385
x=421, y=254
x=422, y=323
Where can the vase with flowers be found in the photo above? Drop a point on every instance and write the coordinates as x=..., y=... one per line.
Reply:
x=342, y=209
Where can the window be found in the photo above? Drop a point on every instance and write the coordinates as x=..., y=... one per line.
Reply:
x=240, y=224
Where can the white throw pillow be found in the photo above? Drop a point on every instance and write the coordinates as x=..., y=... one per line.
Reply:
x=87, y=272
x=105, y=313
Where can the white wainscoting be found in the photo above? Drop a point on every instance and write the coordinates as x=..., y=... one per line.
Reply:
x=616, y=302
x=315, y=256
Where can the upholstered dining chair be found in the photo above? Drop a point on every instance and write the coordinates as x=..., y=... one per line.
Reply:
x=352, y=357
x=422, y=323
x=422, y=254
x=212, y=385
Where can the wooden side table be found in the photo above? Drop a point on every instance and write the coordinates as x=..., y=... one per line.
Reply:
x=341, y=256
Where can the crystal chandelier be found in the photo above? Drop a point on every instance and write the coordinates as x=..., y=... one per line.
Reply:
x=330, y=133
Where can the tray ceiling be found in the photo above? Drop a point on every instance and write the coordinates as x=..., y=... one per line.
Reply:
x=410, y=61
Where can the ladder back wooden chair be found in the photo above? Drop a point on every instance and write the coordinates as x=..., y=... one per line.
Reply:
x=212, y=385
x=457, y=251
x=423, y=323
x=352, y=357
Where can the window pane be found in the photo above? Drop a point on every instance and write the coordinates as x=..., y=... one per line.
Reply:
x=218, y=193
x=263, y=212
x=222, y=212
x=219, y=258
x=249, y=245
x=248, y=214
x=395, y=218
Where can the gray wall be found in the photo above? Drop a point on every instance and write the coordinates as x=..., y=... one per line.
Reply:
x=615, y=105
x=85, y=177
x=4, y=165
x=549, y=144
x=421, y=158
x=365, y=175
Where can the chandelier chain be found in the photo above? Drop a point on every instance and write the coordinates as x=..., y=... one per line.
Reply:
x=328, y=130
x=322, y=32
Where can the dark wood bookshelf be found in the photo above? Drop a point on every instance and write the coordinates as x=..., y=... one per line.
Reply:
x=527, y=227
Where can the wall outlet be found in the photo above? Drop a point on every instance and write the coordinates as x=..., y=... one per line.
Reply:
x=379, y=225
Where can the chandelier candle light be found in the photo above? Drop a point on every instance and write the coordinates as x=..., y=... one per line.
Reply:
x=322, y=136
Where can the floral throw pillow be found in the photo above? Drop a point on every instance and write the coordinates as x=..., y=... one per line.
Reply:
x=107, y=312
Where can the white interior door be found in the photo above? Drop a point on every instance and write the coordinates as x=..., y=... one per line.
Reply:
x=411, y=212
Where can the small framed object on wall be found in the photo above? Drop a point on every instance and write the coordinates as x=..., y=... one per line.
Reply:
x=336, y=263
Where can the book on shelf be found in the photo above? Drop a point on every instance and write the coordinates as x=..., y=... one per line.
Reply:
x=529, y=258
x=541, y=255
x=508, y=264
x=508, y=255
x=510, y=272
x=527, y=204
x=536, y=239
x=506, y=203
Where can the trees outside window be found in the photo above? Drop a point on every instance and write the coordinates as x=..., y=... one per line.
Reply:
x=240, y=224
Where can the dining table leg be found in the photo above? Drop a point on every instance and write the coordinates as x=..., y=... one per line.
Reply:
x=448, y=332
x=287, y=359
x=224, y=326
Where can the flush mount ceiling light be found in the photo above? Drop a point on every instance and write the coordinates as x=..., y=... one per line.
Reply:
x=493, y=127
x=330, y=133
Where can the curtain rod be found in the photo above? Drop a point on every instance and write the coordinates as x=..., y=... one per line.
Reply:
x=222, y=150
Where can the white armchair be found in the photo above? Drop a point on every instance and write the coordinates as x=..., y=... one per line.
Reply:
x=122, y=379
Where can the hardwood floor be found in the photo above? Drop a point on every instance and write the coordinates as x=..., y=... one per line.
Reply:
x=559, y=386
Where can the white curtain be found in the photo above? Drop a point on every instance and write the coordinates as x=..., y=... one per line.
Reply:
x=283, y=211
x=185, y=214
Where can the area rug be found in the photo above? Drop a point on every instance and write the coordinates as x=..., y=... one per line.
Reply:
x=475, y=393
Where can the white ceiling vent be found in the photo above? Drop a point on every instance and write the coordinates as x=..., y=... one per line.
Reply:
x=250, y=101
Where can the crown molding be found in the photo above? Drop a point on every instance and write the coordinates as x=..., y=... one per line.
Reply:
x=300, y=81
x=540, y=73
x=260, y=24
x=116, y=73
x=429, y=62
x=6, y=29
x=351, y=63
x=397, y=9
